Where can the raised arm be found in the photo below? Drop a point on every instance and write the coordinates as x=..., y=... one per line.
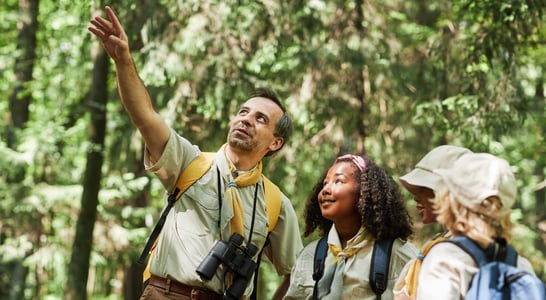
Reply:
x=132, y=91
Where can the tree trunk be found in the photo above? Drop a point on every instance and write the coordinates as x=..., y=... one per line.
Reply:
x=20, y=97
x=132, y=281
x=17, y=118
x=361, y=85
x=78, y=270
x=540, y=193
x=18, y=272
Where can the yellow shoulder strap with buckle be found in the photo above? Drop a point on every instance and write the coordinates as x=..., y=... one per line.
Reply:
x=273, y=200
x=196, y=169
x=412, y=275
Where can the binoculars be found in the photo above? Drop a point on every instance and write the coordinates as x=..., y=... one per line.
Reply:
x=237, y=259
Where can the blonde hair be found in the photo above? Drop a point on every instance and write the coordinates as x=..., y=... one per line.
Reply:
x=481, y=226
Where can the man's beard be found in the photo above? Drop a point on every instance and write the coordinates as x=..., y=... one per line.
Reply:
x=240, y=144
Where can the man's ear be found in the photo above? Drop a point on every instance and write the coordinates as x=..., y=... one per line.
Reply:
x=276, y=144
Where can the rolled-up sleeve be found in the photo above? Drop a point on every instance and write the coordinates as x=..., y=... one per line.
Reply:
x=178, y=153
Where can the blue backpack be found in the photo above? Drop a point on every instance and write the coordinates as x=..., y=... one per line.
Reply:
x=502, y=279
x=379, y=268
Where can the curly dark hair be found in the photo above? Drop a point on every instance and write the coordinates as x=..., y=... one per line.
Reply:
x=383, y=211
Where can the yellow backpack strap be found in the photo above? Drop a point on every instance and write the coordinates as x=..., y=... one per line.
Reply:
x=273, y=201
x=195, y=170
x=411, y=278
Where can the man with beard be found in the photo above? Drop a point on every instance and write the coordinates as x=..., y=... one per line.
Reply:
x=228, y=199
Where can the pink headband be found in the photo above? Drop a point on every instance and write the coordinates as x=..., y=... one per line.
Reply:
x=357, y=160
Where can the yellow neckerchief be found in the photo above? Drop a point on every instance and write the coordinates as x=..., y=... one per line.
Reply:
x=338, y=253
x=331, y=282
x=196, y=169
x=353, y=245
x=245, y=179
x=413, y=271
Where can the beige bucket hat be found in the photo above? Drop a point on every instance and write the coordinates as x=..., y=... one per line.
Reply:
x=440, y=157
x=475, y=177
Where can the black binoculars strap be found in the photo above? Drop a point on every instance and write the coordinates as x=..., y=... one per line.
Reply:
x=158, y=227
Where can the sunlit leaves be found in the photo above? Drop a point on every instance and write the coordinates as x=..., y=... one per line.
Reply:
x=402, y=76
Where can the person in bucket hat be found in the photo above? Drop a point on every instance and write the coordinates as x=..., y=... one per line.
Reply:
x=474, y=200
x=422, y=183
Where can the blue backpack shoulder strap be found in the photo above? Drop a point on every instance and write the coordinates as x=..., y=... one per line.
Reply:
x=478, y=254
x=379, y=270
x=470, y=247
x=511, y=256
x=318, y=264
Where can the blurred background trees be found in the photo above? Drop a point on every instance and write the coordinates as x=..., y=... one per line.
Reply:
x=388, y=79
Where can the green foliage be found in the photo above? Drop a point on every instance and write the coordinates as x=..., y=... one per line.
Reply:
x=496, y=29
x=390, y=79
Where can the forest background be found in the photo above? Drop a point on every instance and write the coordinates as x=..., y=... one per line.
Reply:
x=390, y=79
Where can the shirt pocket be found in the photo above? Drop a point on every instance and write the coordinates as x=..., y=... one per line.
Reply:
x=203, y=195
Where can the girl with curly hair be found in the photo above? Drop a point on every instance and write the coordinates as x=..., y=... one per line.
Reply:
x=355, y=203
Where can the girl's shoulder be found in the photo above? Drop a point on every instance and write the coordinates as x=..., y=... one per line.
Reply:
x=449, y=253
x=405, y=248
x=308, y=251
x=311, y=246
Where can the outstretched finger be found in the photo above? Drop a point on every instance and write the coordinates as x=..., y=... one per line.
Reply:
x=102, y=24
x=98, y=33
x=114, y=19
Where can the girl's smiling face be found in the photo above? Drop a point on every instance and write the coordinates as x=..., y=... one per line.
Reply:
x=339, y=196
x=423, y=197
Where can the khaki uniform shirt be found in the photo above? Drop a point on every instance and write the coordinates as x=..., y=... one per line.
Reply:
x=447, y=270
x=196, y=221
x=400, y=287
x=356, y=275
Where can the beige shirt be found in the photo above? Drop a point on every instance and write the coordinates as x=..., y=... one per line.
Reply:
x=447, y=271
x=357, y=270
x=400, y=287
x=195, y=222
